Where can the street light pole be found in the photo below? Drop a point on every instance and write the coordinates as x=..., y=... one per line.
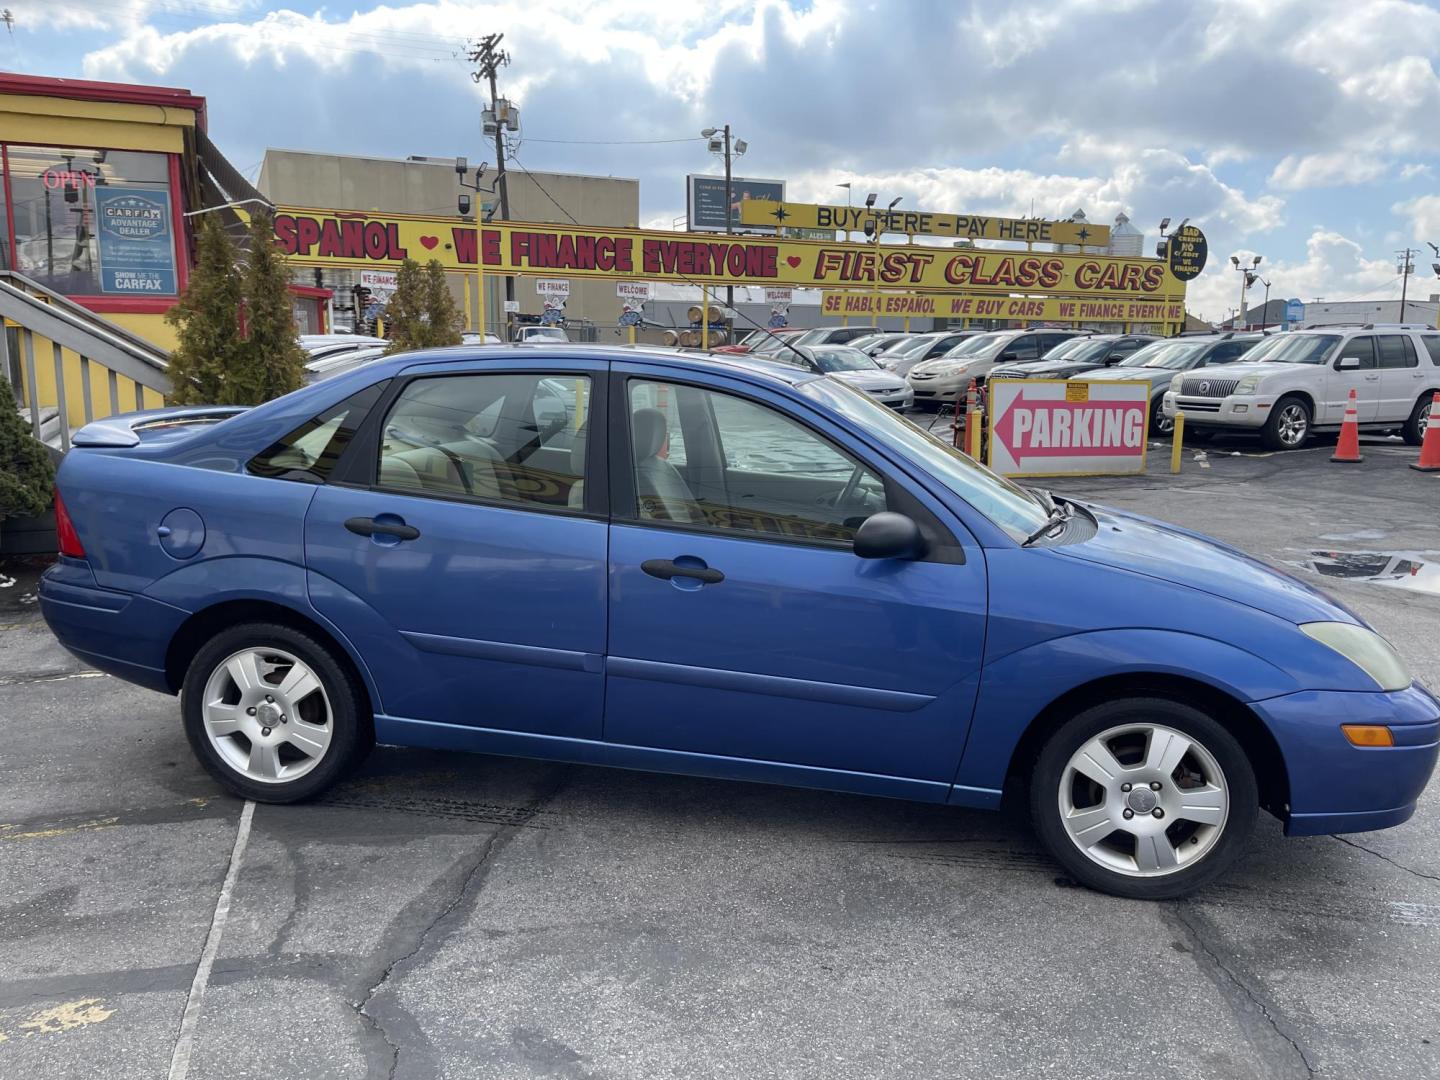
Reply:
x=1247, y=275
x=1265, y=311
x=729, y=208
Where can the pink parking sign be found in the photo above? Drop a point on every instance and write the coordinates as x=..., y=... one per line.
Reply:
x=1053, y=427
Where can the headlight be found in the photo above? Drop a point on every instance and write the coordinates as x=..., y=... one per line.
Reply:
x=1248, y=385
x=1176, y=383
x=1364, y=648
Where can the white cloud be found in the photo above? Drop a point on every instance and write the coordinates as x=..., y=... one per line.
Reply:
x=1295, y=173
x=1424, y=217
x=1414, y=170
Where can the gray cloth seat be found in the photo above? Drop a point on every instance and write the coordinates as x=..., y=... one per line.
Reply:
x=576, y=500
x=660, y=490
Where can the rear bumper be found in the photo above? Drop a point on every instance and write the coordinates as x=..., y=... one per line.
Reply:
x=124, y=634
x=1336, y=787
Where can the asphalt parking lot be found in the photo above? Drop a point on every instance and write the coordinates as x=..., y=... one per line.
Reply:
x=450, y=916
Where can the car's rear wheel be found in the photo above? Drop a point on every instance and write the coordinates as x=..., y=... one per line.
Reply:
x=1288, y=426
x=1145, y=798
x=1414, y=430
x=272, y=713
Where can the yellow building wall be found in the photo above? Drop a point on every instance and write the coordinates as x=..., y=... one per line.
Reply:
x=153, y=328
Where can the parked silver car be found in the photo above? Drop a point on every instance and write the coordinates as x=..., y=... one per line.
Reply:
x=904, y=355
x=947, y=378
x=851, y=366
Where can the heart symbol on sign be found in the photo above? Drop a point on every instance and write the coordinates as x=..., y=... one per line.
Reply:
x=793, y=260
x=429, y=242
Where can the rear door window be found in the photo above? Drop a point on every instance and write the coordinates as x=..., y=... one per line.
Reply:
x=1395, y=351
x=309, y=453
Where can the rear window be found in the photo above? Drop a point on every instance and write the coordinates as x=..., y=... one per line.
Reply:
x=309, y=453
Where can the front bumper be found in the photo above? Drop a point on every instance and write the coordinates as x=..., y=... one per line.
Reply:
x=1230, y=412
x=899, y=399
x=1336, y=787
x=942, y=387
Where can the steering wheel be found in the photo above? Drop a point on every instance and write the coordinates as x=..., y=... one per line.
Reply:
x=852, y=485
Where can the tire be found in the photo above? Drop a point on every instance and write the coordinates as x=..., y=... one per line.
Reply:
x=263, y=673
x=1143, y=857
x=1278, y=433
x=1160, y=424
x=1413, y=431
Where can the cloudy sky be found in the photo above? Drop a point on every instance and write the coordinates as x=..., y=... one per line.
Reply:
x=1305, y=131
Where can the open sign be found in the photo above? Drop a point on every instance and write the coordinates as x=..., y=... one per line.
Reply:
x=56, y=179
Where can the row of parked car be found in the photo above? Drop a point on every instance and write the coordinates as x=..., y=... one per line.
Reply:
x=1284, y=387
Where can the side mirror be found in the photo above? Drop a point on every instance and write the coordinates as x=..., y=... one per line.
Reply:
x=888, y=535
x=1114, y=358
x=1347, y=363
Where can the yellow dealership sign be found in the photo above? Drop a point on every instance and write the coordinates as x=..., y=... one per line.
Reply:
x=921, y=223
x=343, y=238
x=1050, y=309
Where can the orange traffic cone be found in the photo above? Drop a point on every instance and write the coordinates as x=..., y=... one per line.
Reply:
x=1430, y=448
x=1349, y=448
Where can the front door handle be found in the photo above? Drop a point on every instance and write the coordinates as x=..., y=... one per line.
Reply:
x=665, y=569
x=364, y=526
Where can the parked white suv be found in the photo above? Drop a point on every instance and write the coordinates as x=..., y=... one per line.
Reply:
x=1291, y=385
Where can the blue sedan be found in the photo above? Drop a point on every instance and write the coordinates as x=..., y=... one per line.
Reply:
x=658, y=560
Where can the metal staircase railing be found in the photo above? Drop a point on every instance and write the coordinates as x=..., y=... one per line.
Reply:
x=70, y=366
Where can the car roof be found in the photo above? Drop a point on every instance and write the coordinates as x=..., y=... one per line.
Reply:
x=696, y=360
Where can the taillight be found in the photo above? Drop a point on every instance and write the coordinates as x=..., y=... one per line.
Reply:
x=65, y=530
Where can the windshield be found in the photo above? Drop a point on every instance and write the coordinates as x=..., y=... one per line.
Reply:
x=545, y=333
x=1294, y=349
x=808, y=336
x=910, y=344
x=1078, y=348
x=979, y=345
x=1009, y=506
x=833, y=358
x=774, y=344
x=1175, y=355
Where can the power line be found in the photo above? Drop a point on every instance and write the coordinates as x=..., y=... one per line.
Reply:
x=614, y=142
x=521, y=165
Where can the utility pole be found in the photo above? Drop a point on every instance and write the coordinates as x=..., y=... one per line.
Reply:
x=489, y=58
x=1404, y=267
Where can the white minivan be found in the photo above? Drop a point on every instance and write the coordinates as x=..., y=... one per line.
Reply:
x=1291, y=385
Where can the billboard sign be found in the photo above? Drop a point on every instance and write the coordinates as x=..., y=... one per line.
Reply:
x=1187, y=251
x=345, y=239
x=705, y=201
x=861, y=219
x=1294, y=311
x=137, y=243
x=1055, y=427
x=1043, y=308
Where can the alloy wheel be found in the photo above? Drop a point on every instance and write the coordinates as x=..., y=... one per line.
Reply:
x=1143, y=800
x=267, y=715
x=1292, y=424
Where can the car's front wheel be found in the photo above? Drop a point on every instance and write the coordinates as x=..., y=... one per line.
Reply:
x=1288, y=426
x=272, y=713
x=1145, y=798
x=1160, y=424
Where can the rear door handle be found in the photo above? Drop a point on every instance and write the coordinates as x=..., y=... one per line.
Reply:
x=364, y=526
x=665, y=569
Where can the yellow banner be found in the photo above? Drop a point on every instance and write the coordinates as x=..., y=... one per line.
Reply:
x=1049, y=309
x=342, y=238
x=921, y=223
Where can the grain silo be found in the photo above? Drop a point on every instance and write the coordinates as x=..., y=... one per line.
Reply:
x=1125, y=239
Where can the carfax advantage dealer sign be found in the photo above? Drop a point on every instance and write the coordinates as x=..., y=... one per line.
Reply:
x=1050, y=427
